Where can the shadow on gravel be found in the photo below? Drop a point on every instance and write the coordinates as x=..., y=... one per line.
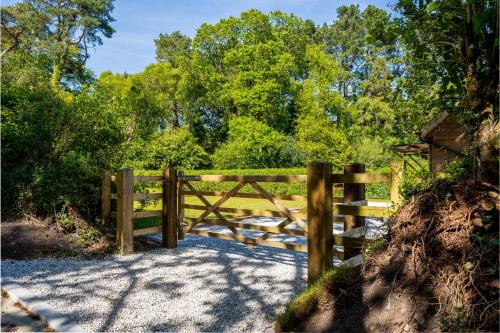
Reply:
x=204, y=284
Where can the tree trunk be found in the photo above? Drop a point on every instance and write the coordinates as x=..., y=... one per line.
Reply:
x=472, y=102
x=176, y=122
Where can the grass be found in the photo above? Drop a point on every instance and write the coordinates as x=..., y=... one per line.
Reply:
x=298, y=310
x=240, y=203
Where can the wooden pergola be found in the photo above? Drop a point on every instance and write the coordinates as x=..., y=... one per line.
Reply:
x=410, y=150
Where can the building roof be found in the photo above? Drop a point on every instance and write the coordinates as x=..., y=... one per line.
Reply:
x=413, y=148
x=433, y=124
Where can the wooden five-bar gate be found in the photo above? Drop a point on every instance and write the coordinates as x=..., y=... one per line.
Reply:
x=315, y=221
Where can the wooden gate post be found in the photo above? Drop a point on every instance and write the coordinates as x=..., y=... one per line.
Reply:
x=180, y=205
x=319, y=220
x=106, y=197
x=353, y=192
x=125, y=207
x=169, y=215
x=396, y=178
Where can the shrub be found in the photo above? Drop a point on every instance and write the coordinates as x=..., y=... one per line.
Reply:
x=415, y=180
x=88, y=236
x=253, y=144
x=63, y=220
x=370, y=151
x=54, y=145
x=320, y=139
x=176, y=148
x=459, y=169
x=418, y=179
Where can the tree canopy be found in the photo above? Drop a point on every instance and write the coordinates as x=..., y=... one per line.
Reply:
x=254, y=91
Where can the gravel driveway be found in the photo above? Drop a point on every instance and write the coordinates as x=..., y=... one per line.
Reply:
x=205, y=284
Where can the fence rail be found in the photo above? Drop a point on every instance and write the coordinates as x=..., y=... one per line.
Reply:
x=314, y=221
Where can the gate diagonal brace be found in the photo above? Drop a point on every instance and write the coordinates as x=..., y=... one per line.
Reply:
x=213, y=208
x=218, y=214
x=285, y=211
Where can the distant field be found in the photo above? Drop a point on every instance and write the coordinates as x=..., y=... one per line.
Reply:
x=241, y=203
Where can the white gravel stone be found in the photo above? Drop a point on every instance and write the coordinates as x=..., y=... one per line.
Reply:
x=205, y=284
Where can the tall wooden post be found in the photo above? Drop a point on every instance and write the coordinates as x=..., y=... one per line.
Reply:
x=353, y=192
x=125, y=227
x=319, y=220
x=169, y=219
x=396, y=178
x=106, y=197
x=180, y=205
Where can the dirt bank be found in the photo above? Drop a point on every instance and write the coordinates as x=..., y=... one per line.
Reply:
x=438, y=271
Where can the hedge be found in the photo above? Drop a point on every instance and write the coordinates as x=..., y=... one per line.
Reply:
x=373, y=191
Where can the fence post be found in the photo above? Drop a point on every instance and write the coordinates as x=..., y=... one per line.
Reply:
x=125, y=227
x=396, y=178
x=319, y=220
x=353, y=192
x=106, y=197
x=169, y=219
x=180, y=205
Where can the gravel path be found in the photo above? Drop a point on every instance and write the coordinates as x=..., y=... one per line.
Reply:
x=205, y=284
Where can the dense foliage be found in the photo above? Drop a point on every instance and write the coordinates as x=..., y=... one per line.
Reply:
x=252, y=144
x=256, y=91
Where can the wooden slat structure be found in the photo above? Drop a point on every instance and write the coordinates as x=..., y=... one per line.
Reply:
x=312, y=223
x=246, y=195
x=246, y=178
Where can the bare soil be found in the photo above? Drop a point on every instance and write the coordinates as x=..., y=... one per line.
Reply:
x=31, y=238
x=437, y=272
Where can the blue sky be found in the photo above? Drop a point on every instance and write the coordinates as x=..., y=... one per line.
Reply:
x=138, y=23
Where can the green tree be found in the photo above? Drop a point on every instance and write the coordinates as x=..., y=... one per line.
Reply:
x=160, y=86
x=317, y=94
x=250, y=65
x=54, y=144
x=358, y=39
x=457, y=43
x=253, y=144
x=21, y=26
x=169, y=47
x=64, y=30
x=261, y=82
x=344, y=39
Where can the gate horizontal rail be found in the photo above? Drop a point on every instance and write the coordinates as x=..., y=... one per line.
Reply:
x=313, y=221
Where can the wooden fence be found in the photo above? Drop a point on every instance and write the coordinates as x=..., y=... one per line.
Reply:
x=314, y=222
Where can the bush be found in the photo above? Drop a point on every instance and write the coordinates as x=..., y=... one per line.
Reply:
x=370, y=151
x=173, y=148
x=320, y=139
x=88, y=236
x=54, y=143
x=459, y=169
x=253, y=144
x=418, y=179
x=415, y=180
